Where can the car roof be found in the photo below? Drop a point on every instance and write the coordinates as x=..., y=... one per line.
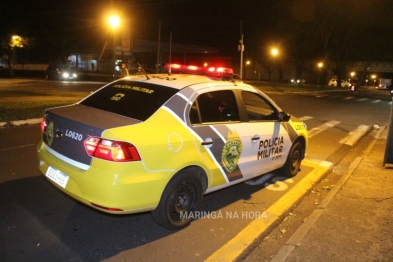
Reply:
x=180, y=81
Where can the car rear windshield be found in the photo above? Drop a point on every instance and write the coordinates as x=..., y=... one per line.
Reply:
x=132, y=99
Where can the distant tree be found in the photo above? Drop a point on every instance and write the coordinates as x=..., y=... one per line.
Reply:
x=334, y=31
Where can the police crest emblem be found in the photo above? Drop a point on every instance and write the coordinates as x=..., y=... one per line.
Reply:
x=232, y=151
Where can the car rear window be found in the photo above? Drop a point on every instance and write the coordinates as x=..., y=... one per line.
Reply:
x=131, y=99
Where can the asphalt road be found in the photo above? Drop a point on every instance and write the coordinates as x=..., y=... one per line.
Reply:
x=39, y=223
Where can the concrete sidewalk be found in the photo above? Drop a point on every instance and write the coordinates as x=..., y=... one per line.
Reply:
x=354, y=222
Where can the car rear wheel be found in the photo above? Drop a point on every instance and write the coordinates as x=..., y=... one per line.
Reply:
x=294, y=160
x=181, y=198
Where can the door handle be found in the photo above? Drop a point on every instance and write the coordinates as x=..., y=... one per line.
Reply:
x=208, y=142
x=255, y=138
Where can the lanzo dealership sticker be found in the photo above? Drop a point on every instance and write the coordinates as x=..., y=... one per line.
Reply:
x=49, y=133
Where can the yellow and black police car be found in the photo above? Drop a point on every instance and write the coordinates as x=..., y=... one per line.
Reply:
x=160, y=142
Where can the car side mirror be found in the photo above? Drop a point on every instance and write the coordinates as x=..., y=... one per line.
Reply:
x=283, y=117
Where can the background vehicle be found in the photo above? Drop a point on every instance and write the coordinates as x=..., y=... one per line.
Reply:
x=3, y=63
x=353, y=87
x=60, y=72
x=384, y=83
x=333, y=82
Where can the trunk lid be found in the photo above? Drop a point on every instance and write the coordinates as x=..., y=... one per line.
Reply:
x=68, y=127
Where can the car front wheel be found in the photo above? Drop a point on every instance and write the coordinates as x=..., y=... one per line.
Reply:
x=294, y=160
x=179, y=201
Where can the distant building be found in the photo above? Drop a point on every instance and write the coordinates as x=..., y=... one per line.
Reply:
x=143, y=52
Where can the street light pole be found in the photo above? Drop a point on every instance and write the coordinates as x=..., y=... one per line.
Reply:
x=320, y=64
x=274, y=52
x=114, y=54
x=245, y=69
x=241, y=48
x=114, y=22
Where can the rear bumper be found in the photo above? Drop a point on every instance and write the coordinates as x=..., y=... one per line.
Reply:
x=127, y=187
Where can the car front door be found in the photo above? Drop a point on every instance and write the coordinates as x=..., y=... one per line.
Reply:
x=271, y=142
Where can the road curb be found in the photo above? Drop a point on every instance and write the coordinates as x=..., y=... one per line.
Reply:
x=299, y=234
x=235, y=247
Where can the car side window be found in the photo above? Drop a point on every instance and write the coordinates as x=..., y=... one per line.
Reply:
x=258, y=109
x=216, y=106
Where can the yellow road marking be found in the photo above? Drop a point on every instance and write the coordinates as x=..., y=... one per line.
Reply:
x=237, y=245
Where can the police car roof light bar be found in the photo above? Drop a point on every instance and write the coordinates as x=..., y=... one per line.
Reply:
x=211, y=71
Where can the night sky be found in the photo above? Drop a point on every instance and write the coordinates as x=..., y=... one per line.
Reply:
x=211, y=23
x=82, y=24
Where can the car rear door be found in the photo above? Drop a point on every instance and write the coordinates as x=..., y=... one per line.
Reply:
x=215, y=118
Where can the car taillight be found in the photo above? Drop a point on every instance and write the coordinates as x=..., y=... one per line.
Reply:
x=43, y=125
x=111, y=150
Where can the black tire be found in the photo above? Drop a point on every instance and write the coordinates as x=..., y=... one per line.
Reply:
x=294, y=160
x=182, y=196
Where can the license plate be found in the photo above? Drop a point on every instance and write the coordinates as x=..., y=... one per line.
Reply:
x=57, y=176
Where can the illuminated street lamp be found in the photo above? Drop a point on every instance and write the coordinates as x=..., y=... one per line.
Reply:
x=374, y=78
x=114, y=22
x=320, y=65
x=16, y=41
x=245, y=70
x=274, y=53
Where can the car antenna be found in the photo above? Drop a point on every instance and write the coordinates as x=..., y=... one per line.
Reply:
x=143, y=71
x=170, y=53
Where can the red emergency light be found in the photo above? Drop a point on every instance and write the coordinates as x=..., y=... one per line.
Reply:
x=219, y=71
x=184, y=68
x=222, y=72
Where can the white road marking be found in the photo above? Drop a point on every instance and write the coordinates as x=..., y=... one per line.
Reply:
x=317, y=162
x=259, y=180
x=353, y=137
x=319, y=129
x=304, y=118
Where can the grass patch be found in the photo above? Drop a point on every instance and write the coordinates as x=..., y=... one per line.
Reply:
x=29, y=93
x=31, y=109
x=29, y=106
